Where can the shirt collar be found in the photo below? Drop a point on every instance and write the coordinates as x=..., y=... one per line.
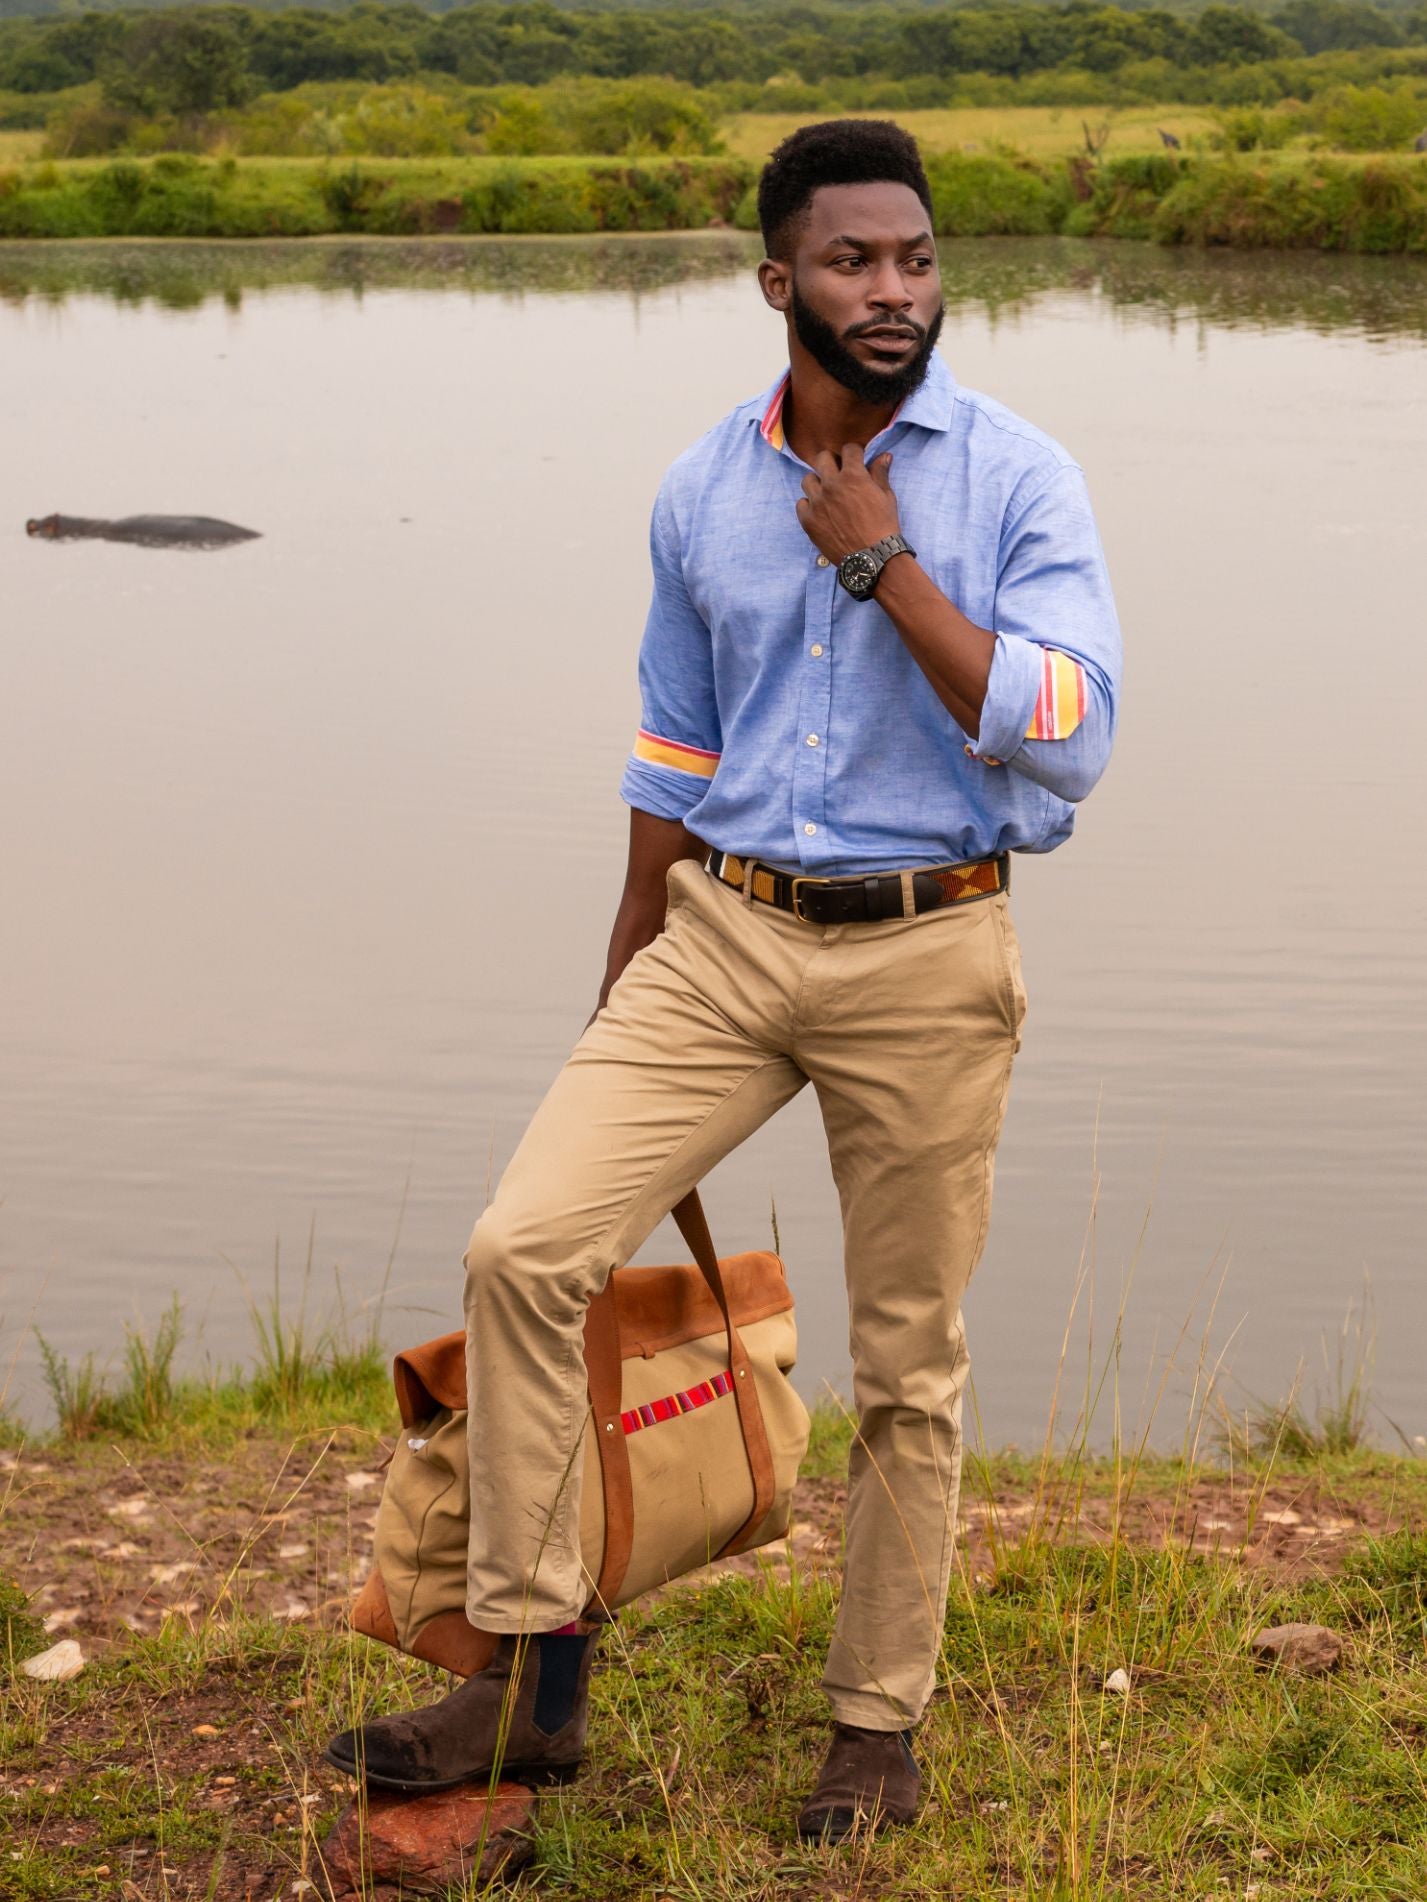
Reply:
x=930, y=405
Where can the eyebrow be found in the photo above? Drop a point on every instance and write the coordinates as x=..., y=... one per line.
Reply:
x=870, y=244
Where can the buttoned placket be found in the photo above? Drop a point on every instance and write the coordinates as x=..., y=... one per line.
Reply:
x=817, y=848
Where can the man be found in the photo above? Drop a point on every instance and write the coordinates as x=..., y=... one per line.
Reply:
x=882, y=654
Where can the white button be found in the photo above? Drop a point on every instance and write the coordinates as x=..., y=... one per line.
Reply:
x=810, y=829
x=822, y=561
x=812, y=739
x=816, y=649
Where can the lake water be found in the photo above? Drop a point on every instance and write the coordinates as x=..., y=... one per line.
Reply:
x=310, y=848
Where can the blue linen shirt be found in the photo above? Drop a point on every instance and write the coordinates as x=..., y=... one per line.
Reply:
x=786, y=721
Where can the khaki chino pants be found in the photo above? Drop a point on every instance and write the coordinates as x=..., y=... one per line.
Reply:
x=906, y=1029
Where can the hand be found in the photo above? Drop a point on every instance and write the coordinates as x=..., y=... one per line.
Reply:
x=847, y=503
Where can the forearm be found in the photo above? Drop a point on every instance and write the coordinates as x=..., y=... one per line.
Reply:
x=654, y=845
x=954, y=653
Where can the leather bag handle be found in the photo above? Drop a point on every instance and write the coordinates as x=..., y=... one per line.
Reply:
x=604, y=1367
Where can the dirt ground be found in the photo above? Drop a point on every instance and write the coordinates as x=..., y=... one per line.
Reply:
x=112, y=1542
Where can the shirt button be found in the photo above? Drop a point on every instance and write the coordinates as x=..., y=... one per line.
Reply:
x=810, y=829
x=823, y=561
x=812, y=739
x=816, y=650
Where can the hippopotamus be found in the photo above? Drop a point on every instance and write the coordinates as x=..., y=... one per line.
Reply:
x=147, y=531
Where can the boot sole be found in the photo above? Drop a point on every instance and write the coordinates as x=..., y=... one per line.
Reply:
x=530, y=1773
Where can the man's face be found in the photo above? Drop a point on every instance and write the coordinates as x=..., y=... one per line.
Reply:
x=863, y=289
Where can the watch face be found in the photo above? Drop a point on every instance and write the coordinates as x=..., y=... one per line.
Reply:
x=859, y=573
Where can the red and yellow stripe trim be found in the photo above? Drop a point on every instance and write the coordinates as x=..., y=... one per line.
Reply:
x=675, y=1404
x=1060, y=704
x=657, y=751
x=771, y=427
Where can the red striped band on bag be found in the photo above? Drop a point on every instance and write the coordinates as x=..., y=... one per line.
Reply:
x=675, y=1404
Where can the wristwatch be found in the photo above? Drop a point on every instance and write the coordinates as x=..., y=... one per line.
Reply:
x=860, y=571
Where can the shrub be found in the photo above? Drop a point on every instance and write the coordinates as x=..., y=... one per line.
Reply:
x=89, y=130
x=1253, y=129
x=974, y=196
x=1371, y=118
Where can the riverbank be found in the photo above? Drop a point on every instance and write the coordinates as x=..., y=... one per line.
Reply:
x=1372, y=204
x=204, y=1562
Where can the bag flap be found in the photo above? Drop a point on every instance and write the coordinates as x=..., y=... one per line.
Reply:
x=656, y=1307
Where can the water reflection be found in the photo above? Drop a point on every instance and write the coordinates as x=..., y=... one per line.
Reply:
x=1373, y=297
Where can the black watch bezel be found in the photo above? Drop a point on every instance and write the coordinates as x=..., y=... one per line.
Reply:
x=860, y=571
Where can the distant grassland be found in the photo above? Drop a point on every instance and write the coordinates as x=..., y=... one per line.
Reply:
x=1289, y=199
x=179, y=196
x=1038, y=131
x=19, y=145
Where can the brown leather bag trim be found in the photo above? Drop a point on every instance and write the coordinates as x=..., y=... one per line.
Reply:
x=603, y=1368
x=452, y=1641
x=371, y=1611
x=433, y=1374
x=693, y=1225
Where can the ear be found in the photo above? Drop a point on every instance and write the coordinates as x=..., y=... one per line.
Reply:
x=775, y=280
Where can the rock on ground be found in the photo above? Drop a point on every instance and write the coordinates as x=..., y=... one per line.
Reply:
x=1311, y=1649
x=428, y=1844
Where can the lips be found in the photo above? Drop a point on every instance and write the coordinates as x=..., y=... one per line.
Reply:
x=889, y=334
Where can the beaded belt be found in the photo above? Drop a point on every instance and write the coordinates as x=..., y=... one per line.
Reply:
x=880, y=895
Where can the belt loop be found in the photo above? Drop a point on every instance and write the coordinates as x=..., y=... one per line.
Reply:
x=909, y=895
x=748, y=865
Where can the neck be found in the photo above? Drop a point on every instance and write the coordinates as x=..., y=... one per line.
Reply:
x=820, y=414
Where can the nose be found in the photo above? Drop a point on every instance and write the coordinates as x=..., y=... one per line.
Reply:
x=887, y=289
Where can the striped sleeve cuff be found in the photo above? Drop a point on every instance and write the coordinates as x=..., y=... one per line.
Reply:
x=1060, y=703
x=666, y=777
x=657, y=751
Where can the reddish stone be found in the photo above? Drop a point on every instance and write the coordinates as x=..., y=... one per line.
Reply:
x=429, y=1843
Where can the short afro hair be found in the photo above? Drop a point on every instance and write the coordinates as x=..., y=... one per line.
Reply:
x=834, y=152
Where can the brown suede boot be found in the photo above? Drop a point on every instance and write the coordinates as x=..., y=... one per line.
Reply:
x=869, y=1781
x=523, y=1717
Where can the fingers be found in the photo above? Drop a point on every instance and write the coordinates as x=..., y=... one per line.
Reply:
x=826, y=463
x=811, y=484
x=881, y=467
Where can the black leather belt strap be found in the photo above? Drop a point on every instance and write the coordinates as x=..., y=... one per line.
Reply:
x=848, y=901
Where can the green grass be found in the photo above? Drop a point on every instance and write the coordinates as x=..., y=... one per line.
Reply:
x=1210, y=1775
x=1040, y=132
x=186, y=1759
x=1282, y=199
x=176, y=195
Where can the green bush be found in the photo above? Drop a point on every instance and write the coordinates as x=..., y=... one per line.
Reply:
x=274, y=198
x=1256, y=129
x=1329, y=205
x=974, y=197
x=1372, y=118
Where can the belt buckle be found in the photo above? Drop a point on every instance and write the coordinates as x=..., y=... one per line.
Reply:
x=798, y=912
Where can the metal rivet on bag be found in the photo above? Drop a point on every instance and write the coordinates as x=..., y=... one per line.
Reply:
x=609, y=1426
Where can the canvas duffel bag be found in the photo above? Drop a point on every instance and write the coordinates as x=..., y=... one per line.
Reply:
x=692, y=1446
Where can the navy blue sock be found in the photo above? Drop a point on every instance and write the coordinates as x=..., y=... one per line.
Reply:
x=560, y=1657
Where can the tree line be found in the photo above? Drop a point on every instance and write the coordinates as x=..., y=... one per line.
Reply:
x=216, y=56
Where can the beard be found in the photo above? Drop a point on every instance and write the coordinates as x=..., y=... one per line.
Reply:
x=864, y=380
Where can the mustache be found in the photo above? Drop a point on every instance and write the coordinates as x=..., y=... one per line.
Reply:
x=912, y=328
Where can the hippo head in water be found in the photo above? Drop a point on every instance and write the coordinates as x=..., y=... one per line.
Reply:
x=46, y=525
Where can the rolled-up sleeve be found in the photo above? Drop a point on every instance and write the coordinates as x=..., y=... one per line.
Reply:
x=676, y=751
x=1053, y=691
